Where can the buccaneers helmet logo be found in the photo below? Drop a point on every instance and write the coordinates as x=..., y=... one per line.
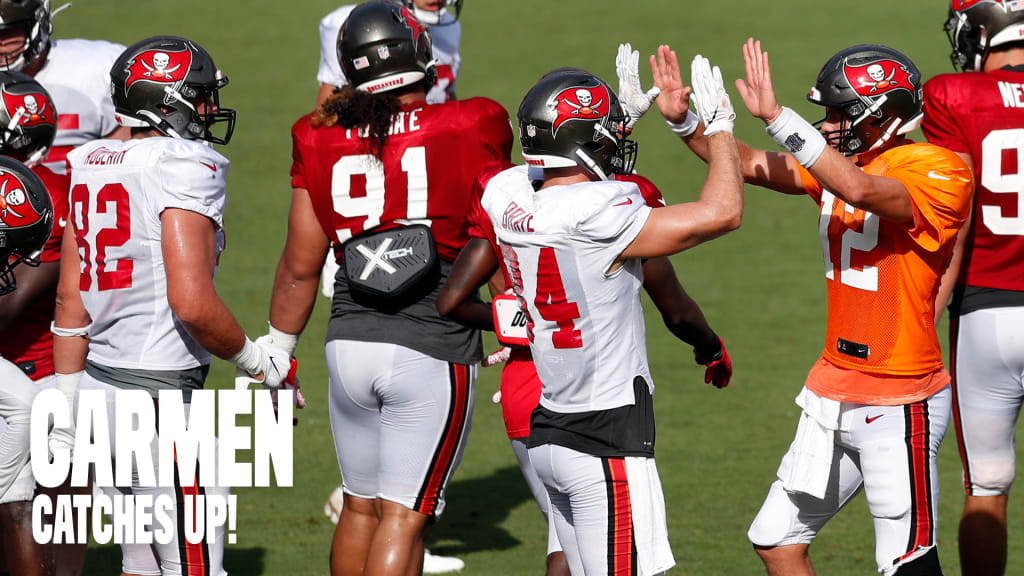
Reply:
x=15, y=209
x=413, y=24
x=32, y=108
x=878, y=77
x=579, y=103
x=962, y=4
x=160, y=66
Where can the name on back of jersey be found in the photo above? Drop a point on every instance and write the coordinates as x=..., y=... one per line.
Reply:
x=516, y=219
x=1012, y=93
x=105, y=157
x=405, y=121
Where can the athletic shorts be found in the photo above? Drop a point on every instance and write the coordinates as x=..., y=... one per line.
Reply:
x=890, y=452
x=177, y=557
x=16, y=395
x=987, y=364
x=609, y=513
x=400, y=420
x=520, y=393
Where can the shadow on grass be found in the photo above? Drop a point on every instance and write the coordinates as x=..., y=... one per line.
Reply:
x=106, y=560
x=474, y=512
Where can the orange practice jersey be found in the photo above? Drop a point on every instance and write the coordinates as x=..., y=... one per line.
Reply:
x=882, y=278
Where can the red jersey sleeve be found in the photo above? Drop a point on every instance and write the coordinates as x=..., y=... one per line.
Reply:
x=298, y=172
x=496, y=133
x=940, y=125
x=479, y=223
x=58, y=185
x=652, y=196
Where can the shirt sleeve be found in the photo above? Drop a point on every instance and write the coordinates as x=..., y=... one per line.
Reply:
x=298, y=172
x=652, y=196
x=812, y=187
x=940, y=186
x=329, y=71
x=58, y=187
x=611, y=219
x=496, y=133
x=940, y=125
x=194, y=181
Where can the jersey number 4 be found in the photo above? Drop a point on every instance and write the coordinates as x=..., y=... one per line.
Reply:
x=111, y=203
x=551, y=301
x=371, y=206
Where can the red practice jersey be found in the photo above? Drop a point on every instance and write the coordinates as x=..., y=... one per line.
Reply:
x=982, y=114
x=28, y=340
x=520, y=384
x=431, y=160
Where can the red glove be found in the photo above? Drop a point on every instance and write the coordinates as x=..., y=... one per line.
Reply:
x=291, y=382
x=719, y=370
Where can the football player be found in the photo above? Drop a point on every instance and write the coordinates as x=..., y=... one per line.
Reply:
x=26, y=225
x=136, y=303
x=876, y=405
x=386, y=177
x=25, y=314
x=572, y=248
x=442, y=20
x=520, y=391
x=75, y=72
x=979, y=116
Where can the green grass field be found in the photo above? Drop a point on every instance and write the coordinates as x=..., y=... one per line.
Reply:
x=761, y=287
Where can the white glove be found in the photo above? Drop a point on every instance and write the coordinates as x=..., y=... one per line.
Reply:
x=274, y=361
x=499, y=356
x=710, y=98
x=632, y=97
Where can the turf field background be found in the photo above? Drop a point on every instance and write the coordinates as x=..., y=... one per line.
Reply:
x=761, y=287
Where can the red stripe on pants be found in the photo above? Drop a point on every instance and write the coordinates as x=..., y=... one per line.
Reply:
x=449, y=444
x=621, y=521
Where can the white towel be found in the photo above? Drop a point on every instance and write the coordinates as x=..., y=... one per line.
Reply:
x=650, y=528
x=807, y=465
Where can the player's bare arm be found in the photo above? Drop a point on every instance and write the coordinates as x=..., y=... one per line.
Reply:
x=33, y=282
x=949, y=277
x=188, y=241
x=886, y=197
x=69, y=313
x=475, y=266
x=759, y=166
x=298, y=271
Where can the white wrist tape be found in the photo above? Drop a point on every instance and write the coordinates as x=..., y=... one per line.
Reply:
x=687, y=126
x=70, y=332
x=798, y=137
x=68, y=384
x=249, y=358
x=283, y=340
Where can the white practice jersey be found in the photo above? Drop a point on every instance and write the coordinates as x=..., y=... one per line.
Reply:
x=77, y=76
x=119, y=189
x=444, y=38
x=588, y=334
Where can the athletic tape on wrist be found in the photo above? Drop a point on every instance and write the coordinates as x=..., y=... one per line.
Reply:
x=687, y=127
x=70, y=332
x=283, y=340
x=249, y=358
x=798, y=137
x=68, y=384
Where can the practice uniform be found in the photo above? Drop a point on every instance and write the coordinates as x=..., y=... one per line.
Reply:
x=592, y=436
x=77, y=76
x=119, y=189
x=401, y=378
x=520, y=384
x=27, y=349
x=444, y=38
x=981, y=114
x=876, y=405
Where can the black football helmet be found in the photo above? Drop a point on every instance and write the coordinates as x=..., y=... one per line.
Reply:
x=28, y=119
x=571, y=118
x=976, y=26
x=26, y=219
x=32, y=16
x=160, y=82
x=878, y=92
x=382, y=46
x=436, y=17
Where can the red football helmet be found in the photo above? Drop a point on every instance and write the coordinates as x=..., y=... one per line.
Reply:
x=976, y=26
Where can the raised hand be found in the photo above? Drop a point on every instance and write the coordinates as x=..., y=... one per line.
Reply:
x=757, y=92
x=674, y=101
x=710, y=98
x=634, y=100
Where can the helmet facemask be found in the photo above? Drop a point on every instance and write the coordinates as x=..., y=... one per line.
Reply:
x=969, y=43
x=436, y=18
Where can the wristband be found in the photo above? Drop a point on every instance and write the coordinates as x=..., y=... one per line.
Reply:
x=706, y=359
x=687, y=127
x=70, y=332
x=68, y=384
x=798, y=137
x=283, y=340
x=248, y=358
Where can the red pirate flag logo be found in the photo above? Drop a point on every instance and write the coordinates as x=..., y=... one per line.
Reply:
x=31, y=108
x=160, y=66
x=580, y=103
x=413, y=24
x=15, y=209
x=962, y=4
x=879, y=77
